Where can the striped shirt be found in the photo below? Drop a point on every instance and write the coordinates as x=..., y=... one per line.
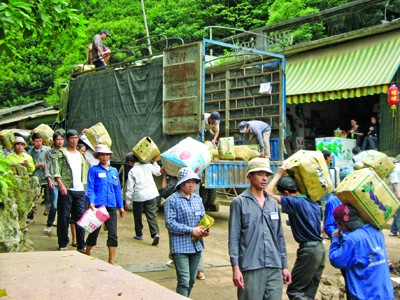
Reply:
x=181, y=216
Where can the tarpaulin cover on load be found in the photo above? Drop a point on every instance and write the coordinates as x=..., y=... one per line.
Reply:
x=128, y=101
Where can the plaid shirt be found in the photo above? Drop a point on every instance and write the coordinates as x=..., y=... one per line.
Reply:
x=181, y=216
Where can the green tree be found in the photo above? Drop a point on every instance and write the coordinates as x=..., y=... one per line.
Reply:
x=283, y=10
x=49, y=21
x=28, y=76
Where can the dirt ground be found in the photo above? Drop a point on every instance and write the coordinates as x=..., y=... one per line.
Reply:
x=149, y=261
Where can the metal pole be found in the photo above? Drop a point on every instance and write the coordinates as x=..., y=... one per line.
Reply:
x=146, y=27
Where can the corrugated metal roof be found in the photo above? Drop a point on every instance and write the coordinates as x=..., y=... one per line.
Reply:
x=30, y=116
x=8, y=110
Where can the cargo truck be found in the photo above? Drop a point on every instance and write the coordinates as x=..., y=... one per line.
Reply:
x=164, y=97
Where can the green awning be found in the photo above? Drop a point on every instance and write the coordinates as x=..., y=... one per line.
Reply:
x=355, y=69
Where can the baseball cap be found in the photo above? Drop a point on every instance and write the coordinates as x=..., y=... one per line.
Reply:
x=106, y=32
x=259, y=164
x=216, y=117
x=242, y=126
x=287, y=183
x=348, y=215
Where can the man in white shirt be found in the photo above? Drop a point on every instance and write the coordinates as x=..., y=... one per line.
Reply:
x=71, y=176
x=142, y=190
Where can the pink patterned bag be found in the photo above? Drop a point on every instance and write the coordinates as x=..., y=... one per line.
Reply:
x=93, y=218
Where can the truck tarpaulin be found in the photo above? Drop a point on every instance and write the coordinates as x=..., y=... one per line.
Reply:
x=128, y=101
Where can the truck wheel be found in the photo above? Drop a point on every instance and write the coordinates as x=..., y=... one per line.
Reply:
x=212, y=196
x=204, y=195
x=213, y=207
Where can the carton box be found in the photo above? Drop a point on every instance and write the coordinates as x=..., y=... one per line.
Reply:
x=311, y=173
x=97, y=134
x=339, y=147
x=226, y=148
x=146, y=149
x=369, y=194
x=7, y=138
x=187, y=153
x=46, y=132
x=380, y=162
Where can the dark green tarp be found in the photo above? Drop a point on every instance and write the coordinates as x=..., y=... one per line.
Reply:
x=128, y=101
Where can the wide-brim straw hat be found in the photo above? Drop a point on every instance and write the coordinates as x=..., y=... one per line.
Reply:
x=186, y=174
x=101, y=148
x=259, y=164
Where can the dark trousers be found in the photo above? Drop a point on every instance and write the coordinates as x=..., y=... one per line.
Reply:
x=46, y=196
x=111, y=224
x=73, y=205
x=149, y=208
x=307, y=272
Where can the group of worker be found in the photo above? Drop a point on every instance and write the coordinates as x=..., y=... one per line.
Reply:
x=257, y=246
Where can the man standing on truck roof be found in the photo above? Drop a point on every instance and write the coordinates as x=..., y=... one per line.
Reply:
x=211, y=126
x=99, y=51
x=262, y=132
x=257, y=246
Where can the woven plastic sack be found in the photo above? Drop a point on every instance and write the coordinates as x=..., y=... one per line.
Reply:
x=97, y=134
x=93, y=218
x=47, y=134
x=7, y=138
x=187, y=153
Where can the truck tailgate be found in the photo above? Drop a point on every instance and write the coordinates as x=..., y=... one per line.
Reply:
x=230, y=174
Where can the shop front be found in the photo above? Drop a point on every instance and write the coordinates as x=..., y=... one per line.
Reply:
x=328, y=87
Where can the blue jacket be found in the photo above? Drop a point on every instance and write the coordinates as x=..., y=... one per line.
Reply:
x=104, y=187
x=329, y=221
x=362, y=254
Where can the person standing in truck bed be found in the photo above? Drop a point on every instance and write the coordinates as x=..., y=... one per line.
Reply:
x=262, y=131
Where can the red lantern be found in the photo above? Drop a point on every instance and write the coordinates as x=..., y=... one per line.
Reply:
x=393, y=97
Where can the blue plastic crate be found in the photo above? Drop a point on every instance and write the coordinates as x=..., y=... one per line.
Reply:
x=274, y=145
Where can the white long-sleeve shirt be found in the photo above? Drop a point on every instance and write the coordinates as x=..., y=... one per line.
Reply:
x=141, y=186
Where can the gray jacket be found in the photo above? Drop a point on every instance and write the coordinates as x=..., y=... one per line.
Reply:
x=255, y=234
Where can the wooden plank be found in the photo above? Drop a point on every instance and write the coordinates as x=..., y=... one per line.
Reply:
x=72, y=275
